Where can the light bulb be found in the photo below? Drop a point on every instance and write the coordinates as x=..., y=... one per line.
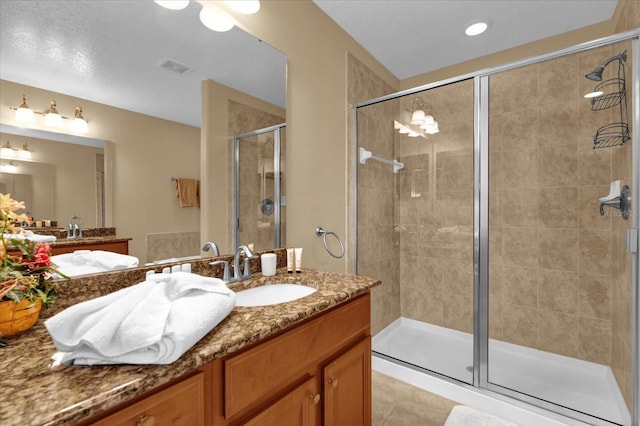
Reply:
x=24, y=113
x=476, y=29
x=79, y=124
x=216, y=20
x=52, y=118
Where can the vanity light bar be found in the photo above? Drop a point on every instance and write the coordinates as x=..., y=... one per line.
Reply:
x=24, y=114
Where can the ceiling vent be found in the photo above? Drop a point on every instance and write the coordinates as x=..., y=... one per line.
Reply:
x=174, y=66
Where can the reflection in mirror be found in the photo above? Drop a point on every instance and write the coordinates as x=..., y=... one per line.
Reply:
x=108, y=57
x=65, y=176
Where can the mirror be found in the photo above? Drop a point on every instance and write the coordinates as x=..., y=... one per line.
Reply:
x=110, y=54
x=63, y=177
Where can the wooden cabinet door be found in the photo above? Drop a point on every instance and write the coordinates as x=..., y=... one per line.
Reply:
x=347, y=387
x=179, y=405
x=300, y=407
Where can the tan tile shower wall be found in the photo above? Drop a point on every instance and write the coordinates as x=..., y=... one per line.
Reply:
x=556, y=267
x=435, y=212
x=378, y=254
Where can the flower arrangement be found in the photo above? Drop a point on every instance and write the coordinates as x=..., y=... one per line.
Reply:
x=27, y=274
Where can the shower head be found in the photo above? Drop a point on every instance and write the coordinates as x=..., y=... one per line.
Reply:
x=596, y=74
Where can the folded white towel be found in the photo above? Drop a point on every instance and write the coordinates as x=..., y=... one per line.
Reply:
x=153, y=322
x=29, y=235
x=93, y=260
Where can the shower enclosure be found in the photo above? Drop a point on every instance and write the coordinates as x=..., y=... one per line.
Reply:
x=259, y=199
x=505, y=272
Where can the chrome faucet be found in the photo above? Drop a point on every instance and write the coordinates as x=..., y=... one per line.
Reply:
x=246, y=273
x=74, y=230
x=211, y=245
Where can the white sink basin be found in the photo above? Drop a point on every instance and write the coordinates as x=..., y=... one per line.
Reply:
x=272, y=294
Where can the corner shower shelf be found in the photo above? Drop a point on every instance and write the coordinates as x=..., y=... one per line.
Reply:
x=614, y=94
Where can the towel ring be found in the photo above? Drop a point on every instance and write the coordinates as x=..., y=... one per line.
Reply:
x=320, y=231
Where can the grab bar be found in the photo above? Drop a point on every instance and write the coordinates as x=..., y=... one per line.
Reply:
x=324, y=233
x=365, y=155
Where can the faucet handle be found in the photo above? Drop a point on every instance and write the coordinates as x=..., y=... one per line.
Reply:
x=225, y=272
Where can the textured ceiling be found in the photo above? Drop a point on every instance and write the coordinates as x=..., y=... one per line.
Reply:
x=411, y=37
x=109, y=51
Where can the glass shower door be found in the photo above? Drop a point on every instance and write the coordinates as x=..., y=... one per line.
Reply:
x=559, y=277
x=415, y=227
x=259, y=199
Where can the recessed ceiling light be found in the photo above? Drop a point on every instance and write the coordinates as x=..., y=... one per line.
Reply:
x=476, y=28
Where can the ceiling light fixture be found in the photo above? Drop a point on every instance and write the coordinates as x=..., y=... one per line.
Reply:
x=476, y=28
x=247, y=7
x=24, y=113
x=7, y=151
x=421, y=116
x=173, y=4
x=79, y=124
x=216, y=20
x=52, y=118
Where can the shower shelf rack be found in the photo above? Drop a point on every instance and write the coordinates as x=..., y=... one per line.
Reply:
x=614, y=94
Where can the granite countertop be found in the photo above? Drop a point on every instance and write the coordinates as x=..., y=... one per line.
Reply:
x=34, y=393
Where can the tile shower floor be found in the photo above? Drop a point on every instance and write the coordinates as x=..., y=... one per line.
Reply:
x=581, y=385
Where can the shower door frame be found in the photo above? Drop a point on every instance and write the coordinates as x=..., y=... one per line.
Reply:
x=276, y=129
x=481, y=222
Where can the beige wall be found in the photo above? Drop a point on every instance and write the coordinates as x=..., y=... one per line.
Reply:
x=317, y=109
x=145, y=152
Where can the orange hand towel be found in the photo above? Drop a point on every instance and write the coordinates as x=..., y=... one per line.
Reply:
x=188, y=191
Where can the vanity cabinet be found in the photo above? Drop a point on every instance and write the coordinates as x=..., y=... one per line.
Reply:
x=315, y=373
x=320, y=370
x=121, y=247
x=181, y=404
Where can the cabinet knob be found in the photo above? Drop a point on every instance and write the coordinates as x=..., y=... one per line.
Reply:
x=144, y=420
x=315, y=398
x=333, y=382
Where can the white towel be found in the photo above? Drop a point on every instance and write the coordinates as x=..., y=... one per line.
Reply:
x=153, y=322
x=92, y=261
x=29, y=235
x=461, y=415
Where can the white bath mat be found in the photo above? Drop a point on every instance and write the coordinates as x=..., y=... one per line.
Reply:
x=461, y=415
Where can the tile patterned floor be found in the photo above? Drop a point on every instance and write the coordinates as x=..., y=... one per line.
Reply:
x=396, y=403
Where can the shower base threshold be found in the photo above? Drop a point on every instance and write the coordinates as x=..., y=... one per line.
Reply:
x=580, y=385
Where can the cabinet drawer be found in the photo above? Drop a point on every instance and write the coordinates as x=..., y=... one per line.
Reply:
x=179, y=405
x=255, y=375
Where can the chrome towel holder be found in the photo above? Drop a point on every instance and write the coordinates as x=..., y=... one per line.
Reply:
x=324, y=233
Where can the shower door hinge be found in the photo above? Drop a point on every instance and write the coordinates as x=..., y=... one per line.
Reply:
x=633, y=235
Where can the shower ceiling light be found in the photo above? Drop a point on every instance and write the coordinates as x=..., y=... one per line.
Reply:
x=476, y=28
